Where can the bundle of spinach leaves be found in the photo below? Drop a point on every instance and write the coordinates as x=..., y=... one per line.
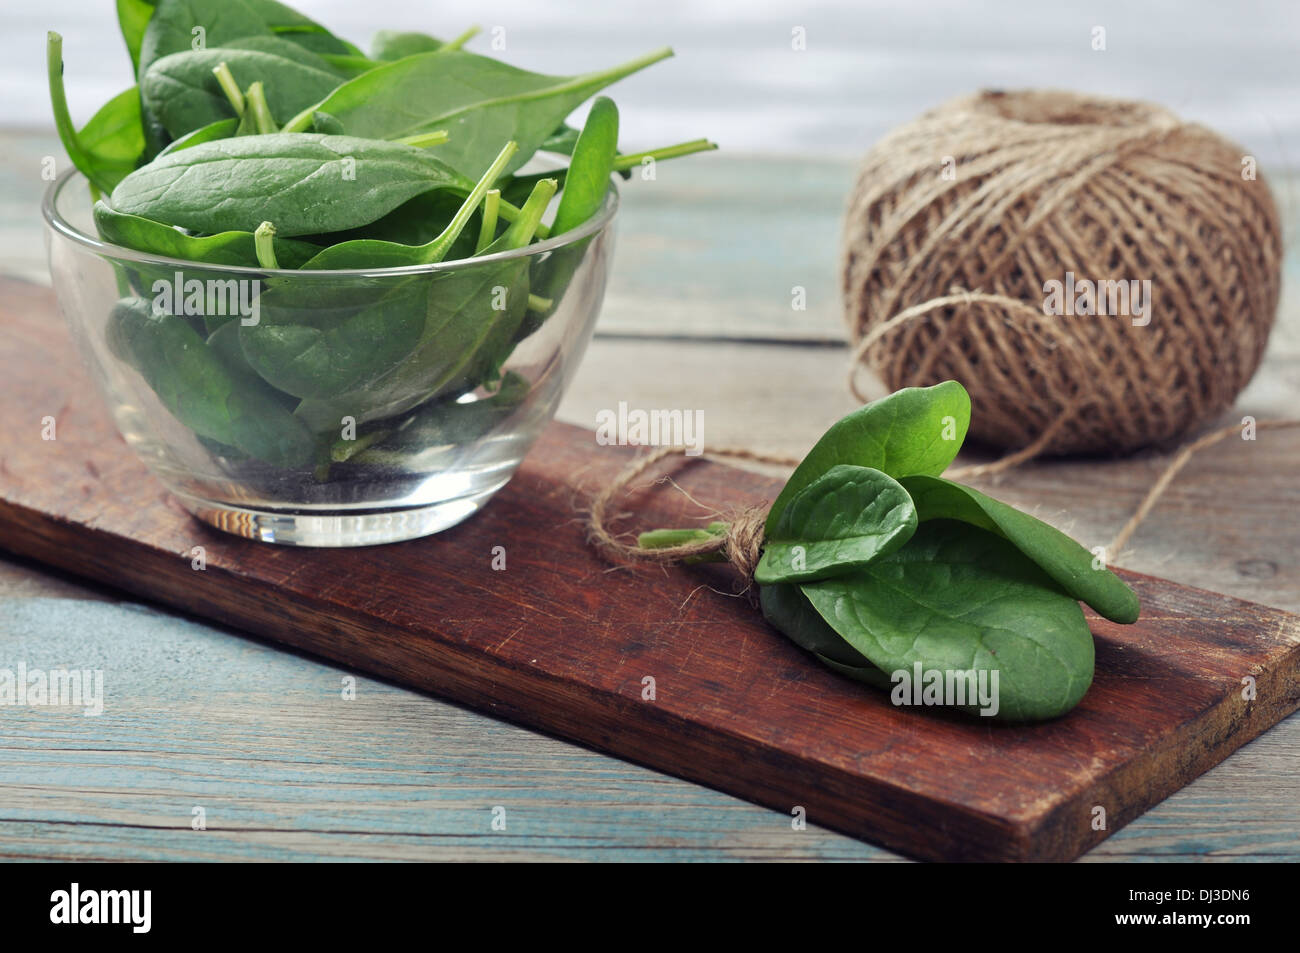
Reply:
x=255, y=137
x=876, y=564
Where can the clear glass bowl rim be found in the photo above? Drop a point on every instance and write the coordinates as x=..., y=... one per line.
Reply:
x=60, y=225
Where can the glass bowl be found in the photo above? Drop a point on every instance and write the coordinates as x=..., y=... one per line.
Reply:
x=328, y=408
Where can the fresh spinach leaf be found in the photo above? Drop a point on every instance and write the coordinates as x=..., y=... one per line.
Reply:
x=389, y=45
x=913, y=430
x=586, y=186
x=348, y=65
x=846, y=518
x=561, y=141
x=223, y=342
x=958, y=598
x=132, y=17
x=184, y=95
x=587, y=181
x=303, y=182
x=223, y=248
x=371, y=253
x=276, y=45
x=481, y=101
x=179, y=25
x=326, y=124
x=298, y=28
x=316, y=343
x=202, y=392
x=788, y=609
x=1068, y=563
x=113, y=136
x=221, y=129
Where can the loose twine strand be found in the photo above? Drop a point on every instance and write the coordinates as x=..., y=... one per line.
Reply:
x=741, y=545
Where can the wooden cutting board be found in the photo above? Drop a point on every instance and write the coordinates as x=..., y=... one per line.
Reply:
x=562, y=642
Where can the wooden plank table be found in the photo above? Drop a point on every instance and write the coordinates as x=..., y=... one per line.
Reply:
x=284, y=768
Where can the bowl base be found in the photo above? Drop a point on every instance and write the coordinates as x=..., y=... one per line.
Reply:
x=336, y=528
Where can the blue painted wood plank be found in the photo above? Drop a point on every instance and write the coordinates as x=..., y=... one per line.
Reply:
x=284, y=768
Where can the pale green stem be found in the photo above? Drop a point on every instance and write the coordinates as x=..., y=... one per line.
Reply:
x=461, y=40
x=624, y=163
x=226, y=80
x=437, y=249
x=256, y=100
x=344, y=450
x=264, y=245
x=510, y=213
x=665, y=538
x=62, y=118
x=523, y=228
x=422, y=140
x=488, y=228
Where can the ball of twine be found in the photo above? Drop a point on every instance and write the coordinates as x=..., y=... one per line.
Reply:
x=959, y=218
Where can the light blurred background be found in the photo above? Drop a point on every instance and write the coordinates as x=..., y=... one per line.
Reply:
x=867, y=66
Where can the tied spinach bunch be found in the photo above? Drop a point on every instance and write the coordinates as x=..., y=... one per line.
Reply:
x=876, y=564
x=254, y=137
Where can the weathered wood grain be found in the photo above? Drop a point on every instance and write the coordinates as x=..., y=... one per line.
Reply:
x=561, y=643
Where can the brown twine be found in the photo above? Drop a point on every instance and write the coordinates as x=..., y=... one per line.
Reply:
x=741, y=546
x=1070, y=404
x=1045, y=183
x=1171, y=470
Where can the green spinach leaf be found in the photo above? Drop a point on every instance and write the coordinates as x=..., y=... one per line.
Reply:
x=788, y=609
x=303, y=182
x=276, y=45
x=586, y=186
x=132, y=17
x=179, y=25
x=389, y=45
x=182, y=92
x=372, y=253
x=224, y=248
x=587, y=182
x=300, y=29
x=914, y=430
x=1068, y=563
x=203, y=393
x=958, y=598
x=480, y=101
x=221, y=129
x=846, y=518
